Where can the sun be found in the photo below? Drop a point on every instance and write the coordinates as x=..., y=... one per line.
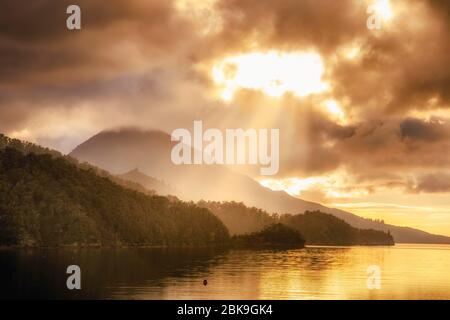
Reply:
x=273, y=73
x=383, y=9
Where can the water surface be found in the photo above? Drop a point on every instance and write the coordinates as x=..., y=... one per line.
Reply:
x=407, y=272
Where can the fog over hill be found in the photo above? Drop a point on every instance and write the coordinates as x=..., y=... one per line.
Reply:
x=123, y=150
x=148, y=183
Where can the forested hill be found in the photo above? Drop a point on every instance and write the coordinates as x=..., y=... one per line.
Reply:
x=28, y=147
x=325, y=229
x=316, y=227
x=49, y=201
x=274, y=236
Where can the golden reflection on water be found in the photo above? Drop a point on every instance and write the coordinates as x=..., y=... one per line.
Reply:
x=407, y=272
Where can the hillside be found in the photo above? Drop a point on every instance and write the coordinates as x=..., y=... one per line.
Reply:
x=119, y=151
x=325, y=229
x=316, y=227
x=238, y=218
x=28, y=147
x=48, y=201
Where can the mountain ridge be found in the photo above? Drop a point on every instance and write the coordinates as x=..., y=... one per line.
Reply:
x=122, y=150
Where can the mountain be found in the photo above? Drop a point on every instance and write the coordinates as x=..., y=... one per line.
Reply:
x=50, y=201
x=119, y=151
x=122, y=150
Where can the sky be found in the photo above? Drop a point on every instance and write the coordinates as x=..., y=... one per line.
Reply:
x=364, y=114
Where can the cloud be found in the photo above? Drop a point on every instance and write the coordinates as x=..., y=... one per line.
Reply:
x=417, y=129
x=116, y=37
x=129, y=58
x=136, y=63
x=290, y=24
x=432, y=183
x=403, y=67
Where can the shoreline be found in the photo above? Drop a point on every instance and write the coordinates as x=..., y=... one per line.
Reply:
x=225, y=246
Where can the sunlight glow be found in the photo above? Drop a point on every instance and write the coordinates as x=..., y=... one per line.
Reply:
x=273, y=73
x=352, y=52
x=293, y=186
x=334, y=109
x=23, y=134
x=394, y=206
x=383, y=9
x=332, y=187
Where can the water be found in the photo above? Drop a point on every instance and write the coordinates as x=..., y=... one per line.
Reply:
x=407, y=272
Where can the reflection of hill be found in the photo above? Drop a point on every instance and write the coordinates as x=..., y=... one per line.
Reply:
x=40, y=273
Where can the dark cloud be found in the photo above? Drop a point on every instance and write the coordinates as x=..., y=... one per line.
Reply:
x=37, y=47
x=45, y=20
x=128, y=53
x=442, y=7
x=398, y=145
x=404, y=66
x=432, y=183
x=416, y=129
x=290, y=24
